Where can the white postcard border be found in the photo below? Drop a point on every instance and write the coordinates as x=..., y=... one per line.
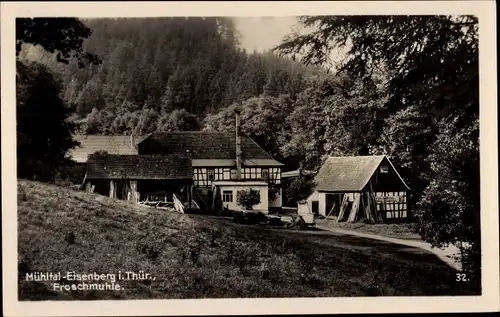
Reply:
x=488, y=301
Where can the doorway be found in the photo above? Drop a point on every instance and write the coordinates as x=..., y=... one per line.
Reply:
x=315, y=207
x=333, y=202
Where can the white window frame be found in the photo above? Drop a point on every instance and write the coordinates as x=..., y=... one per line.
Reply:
x=210, y=171
x=227, y=193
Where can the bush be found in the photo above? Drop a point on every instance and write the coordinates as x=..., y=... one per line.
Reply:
x=99, y=154
x=298, y=189
x=248, y=198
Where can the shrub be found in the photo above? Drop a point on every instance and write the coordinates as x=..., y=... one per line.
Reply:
x=298, y=189
x=99, y=154
x=248, y=198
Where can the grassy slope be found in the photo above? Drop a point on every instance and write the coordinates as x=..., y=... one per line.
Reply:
x=198, y=256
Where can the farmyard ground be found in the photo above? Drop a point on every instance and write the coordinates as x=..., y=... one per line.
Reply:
x=195, y=256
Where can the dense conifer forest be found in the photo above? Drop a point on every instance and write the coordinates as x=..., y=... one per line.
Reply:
x=167, y=74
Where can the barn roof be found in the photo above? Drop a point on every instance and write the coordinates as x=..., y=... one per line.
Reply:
x=113, y=144
x=171, y=167
x=201, y=145
x=348, y=173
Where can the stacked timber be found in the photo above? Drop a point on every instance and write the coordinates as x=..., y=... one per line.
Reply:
x=343, y=208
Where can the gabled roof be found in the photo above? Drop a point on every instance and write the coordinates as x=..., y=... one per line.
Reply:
x=348, y=173
x=113, y=144
x=171, y=167
x=201, y=145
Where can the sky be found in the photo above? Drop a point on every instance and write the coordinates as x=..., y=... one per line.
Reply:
x=263, y=33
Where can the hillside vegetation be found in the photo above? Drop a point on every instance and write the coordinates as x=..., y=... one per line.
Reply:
x=153, y=67
x=199, y=256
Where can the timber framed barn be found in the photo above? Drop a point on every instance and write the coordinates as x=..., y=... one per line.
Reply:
x=195, y=168
x=359, y=187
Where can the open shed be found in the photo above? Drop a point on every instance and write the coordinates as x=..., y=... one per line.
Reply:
x=357, y=187
x=140, y=177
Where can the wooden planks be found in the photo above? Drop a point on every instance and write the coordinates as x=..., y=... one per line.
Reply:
x=355, y=208
x=112, y=189
x=343, y=208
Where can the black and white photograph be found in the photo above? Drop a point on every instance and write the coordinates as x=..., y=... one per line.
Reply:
x=177, y=156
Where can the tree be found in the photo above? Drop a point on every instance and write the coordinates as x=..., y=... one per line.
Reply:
x=94, y=122
x=405, y=139
x=333, y=116
x=262, y=119
x=248, y=198
x=147, y=122
x=91, y=96
x=272, y=85
x=431, y=64
x=178, y=120
x=119, y=125
x=43, y=129
x=451, y=202
x=63, y=36
x=299, y=188
x=422, y=67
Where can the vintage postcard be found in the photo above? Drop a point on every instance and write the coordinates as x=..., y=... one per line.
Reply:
x=228, y=158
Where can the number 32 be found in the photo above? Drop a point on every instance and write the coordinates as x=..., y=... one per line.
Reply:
x=461, y=277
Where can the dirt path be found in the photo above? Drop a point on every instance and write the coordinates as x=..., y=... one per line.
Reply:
x=444, y=255
x=415, y=251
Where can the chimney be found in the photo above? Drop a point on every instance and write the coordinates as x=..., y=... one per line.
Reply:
x=238, y=145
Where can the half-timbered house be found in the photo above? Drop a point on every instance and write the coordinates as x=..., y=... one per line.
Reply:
x=214, y=161
x=355, y=187
x=143, y=167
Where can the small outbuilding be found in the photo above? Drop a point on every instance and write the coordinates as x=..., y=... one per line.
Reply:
x=140, y=177
x=356, y=187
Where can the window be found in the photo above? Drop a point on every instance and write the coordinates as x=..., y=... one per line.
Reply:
x=210, y=174
x=233, y=174
x=384, y=169
x=227, y=196
x=265, y=174
x=227, y=174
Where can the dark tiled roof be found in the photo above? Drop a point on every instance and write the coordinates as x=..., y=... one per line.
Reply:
x=348, y=173
x=139, y=167
x=113, y=144
x=202, y=145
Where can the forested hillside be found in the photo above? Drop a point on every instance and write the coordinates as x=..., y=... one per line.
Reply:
x=166, y=74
